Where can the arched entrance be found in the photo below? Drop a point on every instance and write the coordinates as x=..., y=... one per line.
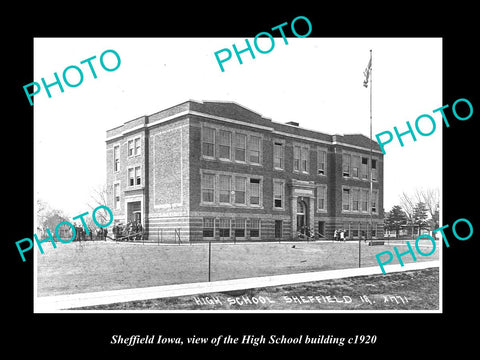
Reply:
x=302, y=216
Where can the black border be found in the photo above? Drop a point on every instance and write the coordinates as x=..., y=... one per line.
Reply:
x=405, y=334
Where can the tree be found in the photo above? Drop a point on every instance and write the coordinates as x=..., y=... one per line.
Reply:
x=395, y=218
x=47, y=217
x=98, y=198
x=431, y=203
x=420, y=216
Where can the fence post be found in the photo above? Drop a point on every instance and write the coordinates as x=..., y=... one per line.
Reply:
x=209, y=258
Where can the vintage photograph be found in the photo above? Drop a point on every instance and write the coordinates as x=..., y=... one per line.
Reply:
x=185, y=182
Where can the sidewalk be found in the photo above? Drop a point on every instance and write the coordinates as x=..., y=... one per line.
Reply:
x=54, y=303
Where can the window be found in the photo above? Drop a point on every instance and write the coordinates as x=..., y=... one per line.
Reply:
x=296, y=158
x=208, y=227
x=346, y=199
x=131, y=177
x=225, y=188
x=240, y=190
x=224, y=227
x=346, y=164
x=224, y=143
x=304, y=154
x=254, y=191
x=321, y=198
x=364, y=169
x=374, y=169
x=208, y=142
x=239, y=228
x=138, y=176
x=322, y=161
x=355, y=199
x=240, y=146
x=134, y=176
x=137, y=146
x=254, y=228
x=278, y=155
x=116, y=158
x=374, y=201
x=116, y=195
x=254, y=147
x=208, y=188
x=130, y=148
x=278, y=195
x=364, y=200
x=355, y=165
x=278, y=229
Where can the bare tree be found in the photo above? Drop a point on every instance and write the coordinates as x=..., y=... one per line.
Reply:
x=99, y=197
x=407, y=202
x=429, y=197
x=48, y=217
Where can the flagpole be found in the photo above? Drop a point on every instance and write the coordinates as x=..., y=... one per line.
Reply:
x=371, y=150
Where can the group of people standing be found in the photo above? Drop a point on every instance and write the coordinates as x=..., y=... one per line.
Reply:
x=339, y=235
x=81, y=234
x=133, y=230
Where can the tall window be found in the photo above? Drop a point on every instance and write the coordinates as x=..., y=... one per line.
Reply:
x=208, y=142
x=355, y=165
x=131, y=177
x=254, y=191
x=304, y=155
x=225, y=188
x=240, y=146
x=239, y=228
x=321, y=197
x=355, y=199
x=208, y=188
x=346, y=199
x=116, y=158
x=138, y=176
x=224, y=144
x=130, y=147
x=240, y=190
x=374, y=201
x=374, y=169
x=346, y=164
x=254, y=228
x=296, y=158
x=116, y=195
x=254, y=148
x=208, y=227
x=137, y=146
x=364, y=200
x=278, y=195
x=224, y=227
x=322, y=161
x=364, y=169
x=278, y=155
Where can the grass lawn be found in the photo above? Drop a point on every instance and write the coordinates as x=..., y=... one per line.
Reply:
x=410, y=290
x=98, y=266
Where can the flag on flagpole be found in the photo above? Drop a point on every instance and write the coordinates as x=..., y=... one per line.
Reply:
x=367, y=71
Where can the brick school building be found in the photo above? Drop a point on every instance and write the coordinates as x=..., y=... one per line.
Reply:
x=204, y=170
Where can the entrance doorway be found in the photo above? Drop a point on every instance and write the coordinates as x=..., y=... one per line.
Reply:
x=321, y=229
x=134, y=211
x=138, y=217
x=302, y=217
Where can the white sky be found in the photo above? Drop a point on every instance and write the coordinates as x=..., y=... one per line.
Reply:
x=314, y=81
